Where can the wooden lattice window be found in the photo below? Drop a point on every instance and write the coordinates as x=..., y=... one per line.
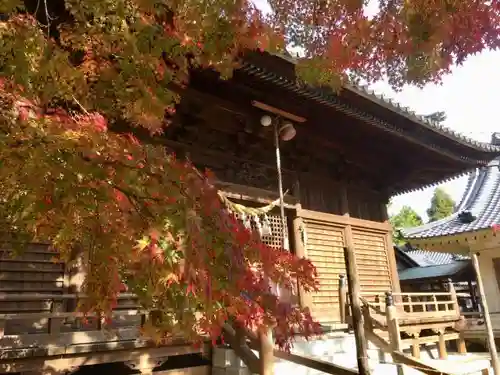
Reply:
x=275, y=239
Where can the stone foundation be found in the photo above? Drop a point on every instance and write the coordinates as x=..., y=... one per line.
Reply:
x=338, y=348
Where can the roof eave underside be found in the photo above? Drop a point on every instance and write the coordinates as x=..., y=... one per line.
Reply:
x=434, y=272
x=456, y=144
x=327, y=96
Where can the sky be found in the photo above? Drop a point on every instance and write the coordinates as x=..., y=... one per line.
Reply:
x=469, y=97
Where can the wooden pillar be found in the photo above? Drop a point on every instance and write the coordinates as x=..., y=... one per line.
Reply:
x=415, y=345
x=266, y=355
x=344, y=200
x=343, y=299
x=57, y=306
x=472, y=292
x=487, y=320
x=354, y=297
x=443, y=354
x=305, y=299
x=461, y=346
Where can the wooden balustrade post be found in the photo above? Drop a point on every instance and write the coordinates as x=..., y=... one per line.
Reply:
x=454, y=298
x=392, y=322
x=415, y=346
x=461, y=347
x=434, y=300
x=55, y=323
x=355, y=302
x=343, y=299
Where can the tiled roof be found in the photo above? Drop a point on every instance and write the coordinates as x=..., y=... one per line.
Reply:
x=330, y=98
x=439, y=271
x=433, y=258
x=481, y=199
x=417, y=129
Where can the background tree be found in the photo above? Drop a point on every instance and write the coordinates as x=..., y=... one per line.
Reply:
x=407, y=217
x=74, y=74
x=442, y=205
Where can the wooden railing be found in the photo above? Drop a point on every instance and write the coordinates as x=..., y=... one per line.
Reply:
x=58, y=319
x=412, y=308
x=58, y=339
x=420, y=306
x=410, y=313
x=66, y=329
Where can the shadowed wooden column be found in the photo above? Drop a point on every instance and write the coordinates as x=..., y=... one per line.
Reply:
x=354, y=298
x=266, y=353
x=343, y=299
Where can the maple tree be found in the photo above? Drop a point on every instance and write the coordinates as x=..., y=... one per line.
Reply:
x=73, y=72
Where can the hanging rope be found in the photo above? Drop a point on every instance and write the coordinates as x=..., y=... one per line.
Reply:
x=249, y=211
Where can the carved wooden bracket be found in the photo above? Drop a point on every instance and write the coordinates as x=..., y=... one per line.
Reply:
x=146, y=364
x=414, y=332
x=52, y=371
x=439, y=331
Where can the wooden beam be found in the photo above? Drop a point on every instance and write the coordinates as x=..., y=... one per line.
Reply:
x=277, y=111
x=354, y=297
x=487, y=320
x=66, y=361
x=344, y=221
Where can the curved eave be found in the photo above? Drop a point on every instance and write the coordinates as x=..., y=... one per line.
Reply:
x=458, y=243
x=328, y=97
x=422, y=120
x=434, y=183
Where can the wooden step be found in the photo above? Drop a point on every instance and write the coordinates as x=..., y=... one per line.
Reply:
x=24, y=306
x=28, y=248
x=28, y=256
x=31, y=277
x=31, y=267
x=36, y=288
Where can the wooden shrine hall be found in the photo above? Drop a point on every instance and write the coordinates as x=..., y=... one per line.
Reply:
x=341, y=155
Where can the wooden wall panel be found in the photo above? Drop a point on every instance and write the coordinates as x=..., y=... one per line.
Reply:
x=372, y=261
x=324, y=247
x=324, y=195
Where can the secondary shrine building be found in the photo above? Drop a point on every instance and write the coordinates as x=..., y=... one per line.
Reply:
x=472, y=229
